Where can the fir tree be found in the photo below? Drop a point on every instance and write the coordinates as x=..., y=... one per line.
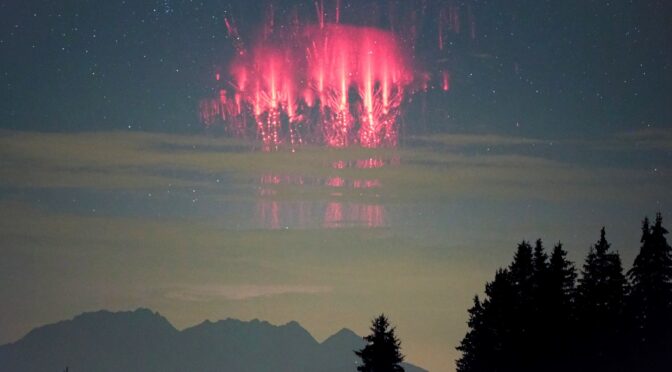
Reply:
x=651, y=298
x=533, y=317
x=490, y=343
x=501, y=327
x=561, y=279
x=522, y=269
x=539, y=261
x=382, y=350
x=524, y=309
x=538, y=337
x=559, y=318
x=473, y=344
x=600, y=308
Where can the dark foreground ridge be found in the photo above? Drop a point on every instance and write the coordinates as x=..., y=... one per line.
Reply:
x=144, y=341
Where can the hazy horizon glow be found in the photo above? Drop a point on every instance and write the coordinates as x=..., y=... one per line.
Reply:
x=200, y=228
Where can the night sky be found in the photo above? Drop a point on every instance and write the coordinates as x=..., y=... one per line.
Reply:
x=114, y=195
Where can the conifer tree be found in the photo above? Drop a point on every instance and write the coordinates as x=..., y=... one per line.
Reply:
x=382, y=350
x=538, y=337
x=501, y=325
x=522, y=268
x=561, y=279
x=600, y=309
x=651, y=298
x=534, y=317
x=559, y=318
x=539, y=260
x=523, y=313
x=490, y=342
x=474, y=342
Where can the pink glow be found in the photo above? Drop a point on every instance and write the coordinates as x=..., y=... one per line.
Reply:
x=340, y=214
x=446, y=81
x=327, y=82
x=339, y=164
x=366, y=184
x=338, y=11
x=308, y=97
x=274, y=214
x=269, y=213
x=329, y=61
x=368, y=163
x=333, y=216
x=335, y=182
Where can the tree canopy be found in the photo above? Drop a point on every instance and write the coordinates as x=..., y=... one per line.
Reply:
x=536, y=315
x=382, y=350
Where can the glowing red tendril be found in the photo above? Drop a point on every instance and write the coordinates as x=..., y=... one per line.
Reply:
x=340, y=84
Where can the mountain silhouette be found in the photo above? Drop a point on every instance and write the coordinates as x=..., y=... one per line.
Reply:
x=144, y=341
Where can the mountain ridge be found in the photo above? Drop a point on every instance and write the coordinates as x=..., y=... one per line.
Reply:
x=144, y=341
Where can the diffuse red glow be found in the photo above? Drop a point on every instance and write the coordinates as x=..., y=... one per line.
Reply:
x=336, y=213
x=328, y=82
x=341, y=83
x=446, y=81
x=343, y=214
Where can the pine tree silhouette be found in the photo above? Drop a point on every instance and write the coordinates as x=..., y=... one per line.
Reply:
x=534, y=318
x=474, y=344
x=522, y=268
x=539, y=260
x=382, y=350
x=489, y=344
x=501, y=327
x=600, y=309
x=561, y=279
x=539, y=336
x=559, y=312
x=522, y=340
x=650, y=300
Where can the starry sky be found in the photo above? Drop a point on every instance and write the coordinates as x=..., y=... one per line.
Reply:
x=113, y=194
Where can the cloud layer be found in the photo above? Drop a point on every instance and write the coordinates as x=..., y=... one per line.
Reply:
x=489, y=167
x=121, y=220
x=241, y=292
